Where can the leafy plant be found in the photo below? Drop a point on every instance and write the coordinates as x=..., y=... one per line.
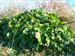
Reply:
x=36, y=29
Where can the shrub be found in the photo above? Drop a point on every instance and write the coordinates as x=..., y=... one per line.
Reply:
x=35, y=29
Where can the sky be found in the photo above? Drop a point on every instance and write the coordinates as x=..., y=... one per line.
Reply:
x=28, y=3
x=71, y=2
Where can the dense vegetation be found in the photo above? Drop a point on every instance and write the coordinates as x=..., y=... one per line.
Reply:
x=36, y=30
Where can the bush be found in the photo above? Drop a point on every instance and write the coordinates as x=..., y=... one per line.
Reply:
x=35, y=29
